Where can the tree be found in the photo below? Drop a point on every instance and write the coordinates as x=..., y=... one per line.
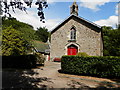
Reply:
x=18, y=4
x=27, y=30
x=42, y=34
x=111, y=40
x=13, y=43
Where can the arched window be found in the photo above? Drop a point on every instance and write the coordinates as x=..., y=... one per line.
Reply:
x=73, y=34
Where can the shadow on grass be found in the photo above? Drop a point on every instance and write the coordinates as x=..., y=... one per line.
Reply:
x=108, y=86
x=116, y=80
x=17, y=72
x=102, y=84
x=21, y=79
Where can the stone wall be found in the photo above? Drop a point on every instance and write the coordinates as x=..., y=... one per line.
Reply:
x=87, y=40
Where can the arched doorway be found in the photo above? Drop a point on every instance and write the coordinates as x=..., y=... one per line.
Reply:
x=72, y=50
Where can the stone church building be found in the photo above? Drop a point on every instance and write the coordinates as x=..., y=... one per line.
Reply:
x=76, y=34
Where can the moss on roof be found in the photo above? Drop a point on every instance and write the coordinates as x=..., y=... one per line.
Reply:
x=40, y=46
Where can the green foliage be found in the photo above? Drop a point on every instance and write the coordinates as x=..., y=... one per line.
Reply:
x=13, y=42
x=94, y=66
x=21, y=36
x=111, y=40
x=40, y=58
x=17, y=40
x=82, y=54
x=27, y=30
x=42, y=34
x=22, y=61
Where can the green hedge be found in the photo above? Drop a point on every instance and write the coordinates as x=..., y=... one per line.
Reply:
x=93, y=66
x=82, y=54
x=23, y=61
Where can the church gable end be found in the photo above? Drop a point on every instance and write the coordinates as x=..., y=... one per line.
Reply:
x=75, y=35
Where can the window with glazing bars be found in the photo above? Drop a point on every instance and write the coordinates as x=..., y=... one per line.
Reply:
x=73, y=34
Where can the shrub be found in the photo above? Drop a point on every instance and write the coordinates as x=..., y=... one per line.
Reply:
x=93, y=66
x=40, y=58
x=13, y=42
x=82, y=54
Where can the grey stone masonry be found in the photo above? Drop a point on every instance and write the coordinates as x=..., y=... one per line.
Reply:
x=88, y=38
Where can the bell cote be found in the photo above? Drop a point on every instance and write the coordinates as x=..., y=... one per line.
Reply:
x=74, y=9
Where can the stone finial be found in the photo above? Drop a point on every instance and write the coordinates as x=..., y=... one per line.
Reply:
x=74, y=9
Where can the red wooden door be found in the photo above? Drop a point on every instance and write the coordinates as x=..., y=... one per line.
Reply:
x=72, y=51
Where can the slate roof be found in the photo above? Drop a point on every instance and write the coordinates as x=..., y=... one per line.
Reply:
x=79, y=19
x=41, y=46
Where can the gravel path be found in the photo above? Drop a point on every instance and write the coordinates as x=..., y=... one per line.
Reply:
x=49, y=77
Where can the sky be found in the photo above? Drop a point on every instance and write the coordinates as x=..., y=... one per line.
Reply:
x=101, y=12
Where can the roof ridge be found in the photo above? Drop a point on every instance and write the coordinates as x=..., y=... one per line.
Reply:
x=77, y=17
